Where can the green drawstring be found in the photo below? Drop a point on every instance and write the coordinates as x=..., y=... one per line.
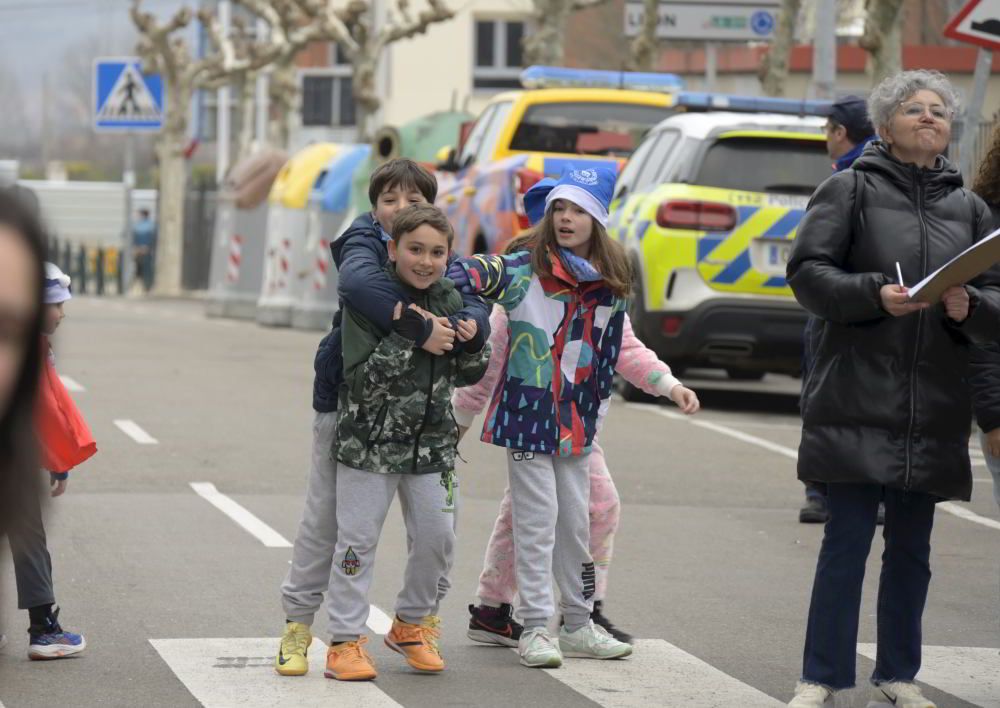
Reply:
x=448, y=482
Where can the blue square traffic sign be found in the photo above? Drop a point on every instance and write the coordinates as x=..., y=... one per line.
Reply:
x=124, y=97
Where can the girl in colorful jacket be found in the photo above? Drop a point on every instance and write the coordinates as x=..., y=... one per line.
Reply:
x=491, y=621
x=565, y=298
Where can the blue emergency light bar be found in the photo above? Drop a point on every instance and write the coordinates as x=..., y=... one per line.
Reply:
x=536, y=77
x=700, y=101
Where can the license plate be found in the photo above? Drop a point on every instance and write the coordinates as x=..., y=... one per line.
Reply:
x=771, y=255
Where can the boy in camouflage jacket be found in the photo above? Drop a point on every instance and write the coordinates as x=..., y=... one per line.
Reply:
x=396, y=432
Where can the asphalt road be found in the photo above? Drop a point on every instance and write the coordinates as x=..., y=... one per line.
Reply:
x=180, y=604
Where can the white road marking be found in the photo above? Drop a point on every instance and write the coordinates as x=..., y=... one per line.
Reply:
x=222, y=673
x=964, y=513
x=752, y=424
x=71, y=384
x=244, y=518
x=378, y=621
x=132, y=429
x=659, y=674
x=950, y=507
x=969, y=673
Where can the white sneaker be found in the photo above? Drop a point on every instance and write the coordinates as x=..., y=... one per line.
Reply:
x=811, y=695
x=592, y=642
x=899, y=694
x=538, y=650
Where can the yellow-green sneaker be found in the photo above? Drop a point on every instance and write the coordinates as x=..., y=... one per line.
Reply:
x=292, y=658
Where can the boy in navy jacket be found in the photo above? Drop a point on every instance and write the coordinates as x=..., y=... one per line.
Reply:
x=360, y=255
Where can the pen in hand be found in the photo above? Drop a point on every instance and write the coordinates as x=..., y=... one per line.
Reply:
x=899, y=275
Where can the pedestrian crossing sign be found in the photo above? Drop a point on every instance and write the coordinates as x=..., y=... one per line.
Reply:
x=125, y=98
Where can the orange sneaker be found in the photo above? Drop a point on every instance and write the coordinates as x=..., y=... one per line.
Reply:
x=349, y=662
x=417, y=642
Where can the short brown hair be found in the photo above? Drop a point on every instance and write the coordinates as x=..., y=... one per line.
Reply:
x=413, y=217
x=404, y=173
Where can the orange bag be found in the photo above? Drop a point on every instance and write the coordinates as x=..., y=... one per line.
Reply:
x=62, y=432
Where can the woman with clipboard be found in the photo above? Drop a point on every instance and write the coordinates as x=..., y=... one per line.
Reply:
x=886, y=405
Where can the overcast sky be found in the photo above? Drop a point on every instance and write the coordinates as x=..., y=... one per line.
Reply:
x=35, y=34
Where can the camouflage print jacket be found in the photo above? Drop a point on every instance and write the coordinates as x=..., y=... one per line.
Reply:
x=394, y=414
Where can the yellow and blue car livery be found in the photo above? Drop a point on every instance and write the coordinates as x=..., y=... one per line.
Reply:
x=707, y=208
x=523, y=136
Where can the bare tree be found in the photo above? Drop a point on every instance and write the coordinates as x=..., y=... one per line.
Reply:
x=363, y=39
x=547, y=43
x=773, y=70
x=643, y=47
x=166, y=53
x=883, y=37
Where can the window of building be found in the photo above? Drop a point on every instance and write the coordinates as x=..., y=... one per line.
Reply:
x=327, y=93
x=498, y=54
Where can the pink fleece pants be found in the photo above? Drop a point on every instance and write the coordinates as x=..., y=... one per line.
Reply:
x=497, y=583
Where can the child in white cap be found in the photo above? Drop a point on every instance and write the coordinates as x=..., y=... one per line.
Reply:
x=66, y=442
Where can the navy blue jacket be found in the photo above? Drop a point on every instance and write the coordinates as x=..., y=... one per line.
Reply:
x=361, y=254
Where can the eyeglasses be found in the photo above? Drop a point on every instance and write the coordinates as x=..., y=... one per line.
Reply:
x=916, y=110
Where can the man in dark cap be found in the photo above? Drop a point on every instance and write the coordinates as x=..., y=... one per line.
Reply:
x=848, y=132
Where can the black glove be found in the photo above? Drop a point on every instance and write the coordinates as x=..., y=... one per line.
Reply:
x=412, y=325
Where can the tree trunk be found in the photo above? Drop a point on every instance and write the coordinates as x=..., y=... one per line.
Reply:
x=247, y=88
x=170, y=145
x=283, y=90
x=366, y=98
x=773, y=71
x=173, y=183
x=882, y=38
x=545, y=45
x=644, y=46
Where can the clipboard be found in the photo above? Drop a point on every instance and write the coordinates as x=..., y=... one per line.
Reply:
x=973, y=261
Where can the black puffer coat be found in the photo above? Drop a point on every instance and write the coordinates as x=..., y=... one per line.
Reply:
x=887, y=399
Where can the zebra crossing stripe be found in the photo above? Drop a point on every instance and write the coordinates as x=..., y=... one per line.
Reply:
x=969, y=673
x=659, y=674
x=222, y=673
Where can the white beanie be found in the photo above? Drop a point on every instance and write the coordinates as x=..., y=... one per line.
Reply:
x=56, y=285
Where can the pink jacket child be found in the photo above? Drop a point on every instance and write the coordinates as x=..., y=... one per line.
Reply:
x=491, y=622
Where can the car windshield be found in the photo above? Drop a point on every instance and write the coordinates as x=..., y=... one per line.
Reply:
x=586, y=128
x=775, y=165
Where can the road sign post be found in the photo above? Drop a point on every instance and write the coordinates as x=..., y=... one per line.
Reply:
x=977, y=23
x=126, y=101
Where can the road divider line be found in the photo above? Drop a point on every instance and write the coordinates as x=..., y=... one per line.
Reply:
x=949, y=507
x=132, y=429
x=71, y=384
x=241, y=515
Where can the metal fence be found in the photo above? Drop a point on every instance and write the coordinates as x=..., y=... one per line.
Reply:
x=981, y=144
x=199, y=226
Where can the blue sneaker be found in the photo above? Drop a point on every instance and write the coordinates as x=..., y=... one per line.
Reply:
x=50, y=641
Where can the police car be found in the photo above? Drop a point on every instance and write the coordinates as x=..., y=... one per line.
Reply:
x=707, y=208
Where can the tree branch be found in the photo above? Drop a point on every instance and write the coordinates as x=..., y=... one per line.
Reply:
x=584, y=4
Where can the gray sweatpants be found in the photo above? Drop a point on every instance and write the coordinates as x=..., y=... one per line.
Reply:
x=550, y=504
x=363, y=500
x=312, y=553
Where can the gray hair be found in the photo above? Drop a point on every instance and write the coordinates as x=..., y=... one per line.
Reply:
x=893, y=90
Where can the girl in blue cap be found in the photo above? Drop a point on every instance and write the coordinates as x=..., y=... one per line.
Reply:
x=566, y=299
